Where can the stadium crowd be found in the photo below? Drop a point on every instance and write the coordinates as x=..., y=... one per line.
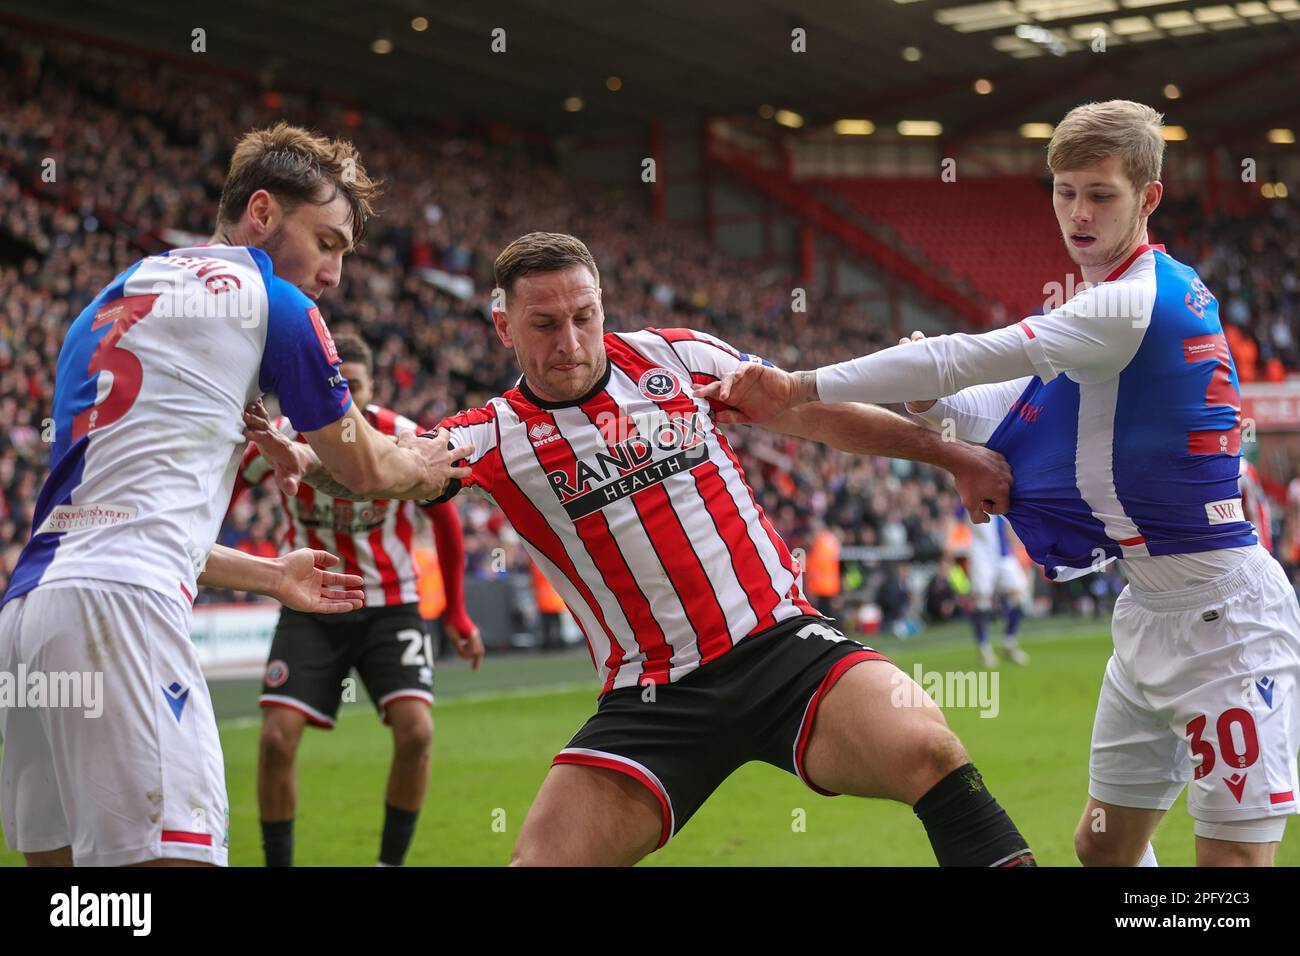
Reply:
x=105, y=158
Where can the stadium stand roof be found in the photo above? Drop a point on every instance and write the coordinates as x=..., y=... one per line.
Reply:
x=1237, y=65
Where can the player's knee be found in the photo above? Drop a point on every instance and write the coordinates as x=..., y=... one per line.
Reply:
x=941, y=751
x=413, y=733
x=1095, y=847
x=532, y=849
x=936, y=752
x=278, y=744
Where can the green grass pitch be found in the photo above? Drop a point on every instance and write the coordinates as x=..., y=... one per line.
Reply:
x=498, y=729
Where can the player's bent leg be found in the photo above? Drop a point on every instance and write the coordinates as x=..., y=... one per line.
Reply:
x=1113, y=835
x=875, y=733
x=589, y=816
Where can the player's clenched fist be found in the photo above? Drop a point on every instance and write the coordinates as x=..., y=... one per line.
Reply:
x=438, y=459
x=756, y=393
x=983, y=480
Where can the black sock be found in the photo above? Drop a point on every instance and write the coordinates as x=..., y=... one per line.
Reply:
x=399, y=827
x=277, y=842
x=966, y=826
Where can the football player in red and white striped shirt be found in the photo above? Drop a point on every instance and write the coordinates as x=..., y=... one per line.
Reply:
x=387, y=641
x=636, y=509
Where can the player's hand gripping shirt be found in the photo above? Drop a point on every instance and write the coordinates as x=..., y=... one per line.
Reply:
x=374, y=538
x=636, y=509
x=1119, y=414
x=152, y=380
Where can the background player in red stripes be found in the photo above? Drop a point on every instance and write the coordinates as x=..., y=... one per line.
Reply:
x=387, y=641
x=636, y=509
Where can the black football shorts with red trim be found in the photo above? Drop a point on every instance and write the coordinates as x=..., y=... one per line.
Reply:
x=312, y=654
x=756, y=702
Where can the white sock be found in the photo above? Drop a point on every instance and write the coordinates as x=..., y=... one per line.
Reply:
x=1148, y=857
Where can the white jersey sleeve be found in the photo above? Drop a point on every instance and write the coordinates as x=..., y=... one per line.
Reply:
x=975, y=412
x=1089, y=339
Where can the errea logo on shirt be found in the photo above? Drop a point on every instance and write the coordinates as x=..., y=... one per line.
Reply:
x=543, y=433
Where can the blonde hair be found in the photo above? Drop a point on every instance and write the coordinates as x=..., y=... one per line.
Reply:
x=296, y=166
x=541, y=252
x=1093, y=132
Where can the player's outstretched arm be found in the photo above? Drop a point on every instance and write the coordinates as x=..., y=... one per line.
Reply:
x=368, y=464
x=983, y=477
x=299, y=580
x=1093, y=337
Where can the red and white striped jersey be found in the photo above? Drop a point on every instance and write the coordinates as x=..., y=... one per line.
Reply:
x=636, y=508
x=372, y=538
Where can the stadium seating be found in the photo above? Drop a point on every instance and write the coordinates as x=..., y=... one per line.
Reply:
x=139, y=152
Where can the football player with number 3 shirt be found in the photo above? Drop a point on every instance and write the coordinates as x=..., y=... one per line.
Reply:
x=1119, y=412
x=153, y=378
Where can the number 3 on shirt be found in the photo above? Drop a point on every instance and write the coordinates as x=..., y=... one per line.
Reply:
x=115, y=398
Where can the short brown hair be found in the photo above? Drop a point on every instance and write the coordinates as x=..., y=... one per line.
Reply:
x=353, y=348
x=1094, y=131
x=296, y=166
x=541, y=252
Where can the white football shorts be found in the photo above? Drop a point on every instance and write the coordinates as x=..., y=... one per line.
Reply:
x=120, y=757
x=1201, y=690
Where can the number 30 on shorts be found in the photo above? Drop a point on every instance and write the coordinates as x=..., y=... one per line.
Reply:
x=416, y=642
x=1232, y=755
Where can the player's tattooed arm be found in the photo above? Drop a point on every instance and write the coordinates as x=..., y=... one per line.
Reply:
x=805, y=384
x=294, y=462
x=319, y=478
